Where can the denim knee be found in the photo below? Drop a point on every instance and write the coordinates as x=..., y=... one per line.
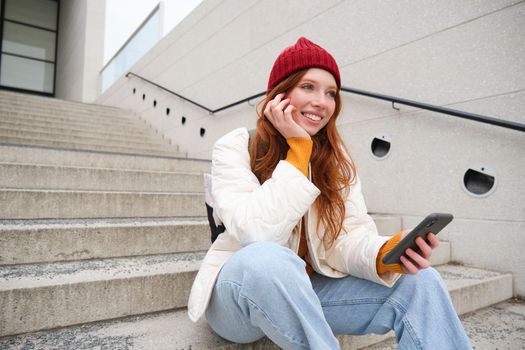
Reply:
x=427, y=284
x=429, y=279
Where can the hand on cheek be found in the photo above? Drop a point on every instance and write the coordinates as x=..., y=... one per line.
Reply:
x=283, y=117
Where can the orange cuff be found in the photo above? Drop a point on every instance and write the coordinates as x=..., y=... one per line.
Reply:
x=299, y=153
x=385, y=249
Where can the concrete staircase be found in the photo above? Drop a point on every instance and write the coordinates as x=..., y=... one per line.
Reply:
x=102, y=230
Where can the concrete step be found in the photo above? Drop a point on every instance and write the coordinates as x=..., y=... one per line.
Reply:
x=173, y=330
x=29, y=176
x=55, y=103
x=66, y=114
x=42, y=241
x=67, y=118
x=65, y=110
x=103, y=140
x=52, y=295
x=99, y=159
x=27, y=101
x=10, y=97
x=59, y=106
x=168, y=150
x=63, y=204
x=146, y=134
x=45, y=125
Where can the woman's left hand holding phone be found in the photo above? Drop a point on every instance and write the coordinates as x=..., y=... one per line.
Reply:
x=412, y=262
x=281, y=114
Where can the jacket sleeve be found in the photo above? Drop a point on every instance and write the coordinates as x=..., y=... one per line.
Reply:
x=250, y=211
x=355, y=251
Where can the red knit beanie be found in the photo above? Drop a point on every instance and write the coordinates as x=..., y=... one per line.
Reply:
x=304, y=54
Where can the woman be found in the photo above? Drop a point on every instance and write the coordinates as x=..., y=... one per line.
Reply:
x=300, y=259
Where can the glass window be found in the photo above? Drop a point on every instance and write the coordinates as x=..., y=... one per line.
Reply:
x=41, y=13
x=140, y=43
x=27, y=74
x=28, y=41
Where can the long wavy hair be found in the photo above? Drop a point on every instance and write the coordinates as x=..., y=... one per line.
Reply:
x=332, y=168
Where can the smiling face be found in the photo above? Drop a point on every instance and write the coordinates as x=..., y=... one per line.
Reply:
x=315, y=99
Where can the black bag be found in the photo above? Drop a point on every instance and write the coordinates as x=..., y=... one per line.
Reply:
x=216, y=226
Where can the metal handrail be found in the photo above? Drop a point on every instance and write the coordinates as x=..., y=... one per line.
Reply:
x=167, y=90
x=454, y=112
x=461, y=114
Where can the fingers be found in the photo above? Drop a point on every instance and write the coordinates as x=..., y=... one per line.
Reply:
x=424, y=249
x=289, y=112
x=417, y=259
x=408, y=266
x=432, y=239
x=414, y=261
x=274, y=108
x=280, y=113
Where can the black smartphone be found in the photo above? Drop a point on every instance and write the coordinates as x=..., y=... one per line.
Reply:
x=434, y=223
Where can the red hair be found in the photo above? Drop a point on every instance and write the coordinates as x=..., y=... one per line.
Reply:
x=333, y=170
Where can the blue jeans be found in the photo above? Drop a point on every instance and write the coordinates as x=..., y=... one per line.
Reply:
x=263, y=290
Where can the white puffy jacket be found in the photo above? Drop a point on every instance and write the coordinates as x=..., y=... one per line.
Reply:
x=253, y=212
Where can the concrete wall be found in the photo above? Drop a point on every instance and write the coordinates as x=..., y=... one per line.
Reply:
x=80, y=49
x=463, y=55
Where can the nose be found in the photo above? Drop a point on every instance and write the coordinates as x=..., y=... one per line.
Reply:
x=320, y=100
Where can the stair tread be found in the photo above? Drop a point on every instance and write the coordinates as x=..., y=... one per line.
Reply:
x=52, y=274
x=96, y=223
x=48, y=241
x=87, y=168
x=10, y=96
x=136, y=193
x=71, y=118
x=83, y=143
x=459, y=276
x=62, y=204
x=17, y=123
x=38, y=154
x=109, y=152
x=151, y=141
x=93, y=147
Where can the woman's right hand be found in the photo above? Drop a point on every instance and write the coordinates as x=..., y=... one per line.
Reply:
x=281, y=114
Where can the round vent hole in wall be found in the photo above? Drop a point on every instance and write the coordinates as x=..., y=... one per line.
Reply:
x=380, y=146
x=203, y=131
x=479, y=181
x=183, y=120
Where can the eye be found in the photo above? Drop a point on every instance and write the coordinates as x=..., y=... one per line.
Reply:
x=307, y=86
x=332, y=94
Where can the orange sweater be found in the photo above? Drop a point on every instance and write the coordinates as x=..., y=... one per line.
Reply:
x=299, y=156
